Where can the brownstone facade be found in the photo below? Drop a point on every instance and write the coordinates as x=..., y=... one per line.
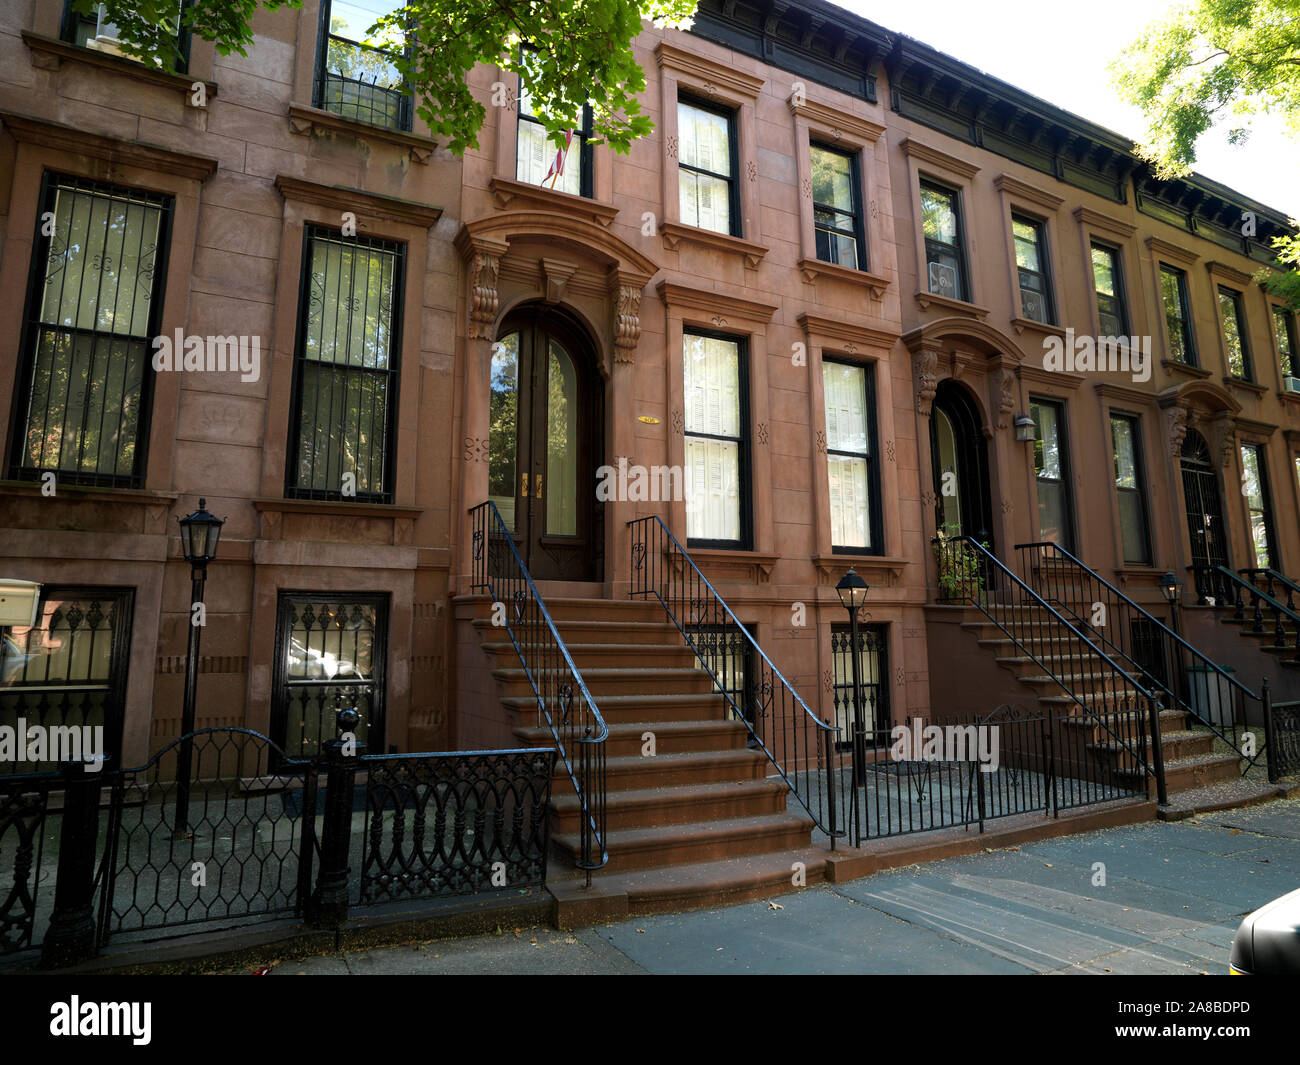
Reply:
x=255, y=175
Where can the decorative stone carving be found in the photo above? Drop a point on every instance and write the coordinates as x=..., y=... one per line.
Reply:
x=1176, y=425
x=484, y=299
x=1007, y=403
x=926, y=364
x=1225, y=440
x=556, y=275
x=627, y=321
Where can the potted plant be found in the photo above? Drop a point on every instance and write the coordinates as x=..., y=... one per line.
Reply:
x=961, y=573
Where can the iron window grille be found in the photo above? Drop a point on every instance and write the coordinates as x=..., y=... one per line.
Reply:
x=1130, y=487
x=94, y=302
x=94, y=31
x=850, y=449
x=1178, y=317
x=1259, y=509
x=706, y=168
x=837, y=207
x=716, y=437
x=873, y=671
x=1030, y=238
x=535, y=152
x=1235, y=343
x=358, y=80
x=1108, y=283
x=942, y=225
x=330, y=653
x=346, y=370
x=1285, y=332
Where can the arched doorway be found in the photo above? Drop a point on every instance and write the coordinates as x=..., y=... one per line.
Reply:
x=960, y=461
x=1205, y=529
x=545, y=429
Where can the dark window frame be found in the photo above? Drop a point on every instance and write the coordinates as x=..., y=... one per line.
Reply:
x=1134, y=422
x=875, y=510
x=41, y=253
x=1121, y=311
x=1287, y=319
x=1039, y=227
x=1066, y=480
x=1238, y=301
x=1274, y=560
x=735, y=228
x=857, y=230
x=72, y=20
x=394, y=373
x=1184, y=313
x=405, y=107
x=744, y=459
x=583, y=136
x=958, y=251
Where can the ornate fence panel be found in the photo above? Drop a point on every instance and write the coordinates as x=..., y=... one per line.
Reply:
x=232, y=840
x=24, y=805
x=454, y=823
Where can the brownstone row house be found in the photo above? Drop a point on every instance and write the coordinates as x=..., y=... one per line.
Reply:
x=820, y=294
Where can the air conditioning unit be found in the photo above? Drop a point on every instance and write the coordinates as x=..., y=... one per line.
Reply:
x=19, y=602
x=1290, y=384
x=1033, y=305
x=106, y=37
x=943, y=280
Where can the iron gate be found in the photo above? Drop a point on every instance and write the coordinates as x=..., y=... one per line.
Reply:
x=24, y=807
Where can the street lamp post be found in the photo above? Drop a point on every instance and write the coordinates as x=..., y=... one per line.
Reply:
x=1170, y=587
x=852, y=591
x=200, y=532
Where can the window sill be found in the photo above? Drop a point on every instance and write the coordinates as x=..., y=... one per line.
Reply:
x=1046, y=328
x=506, y=190
x=674, y=233
x=815, y=268
x=758, y=563
x=1244, y=385
x=884, y=568
x=277, y=513
x=49, y=53
x=1173, y=366
x=89, y=493
x=1289, y=397
x=313, y=121
x=335, y=508
x=925, y=299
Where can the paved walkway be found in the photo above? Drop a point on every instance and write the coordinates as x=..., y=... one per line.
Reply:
x=1173, y=897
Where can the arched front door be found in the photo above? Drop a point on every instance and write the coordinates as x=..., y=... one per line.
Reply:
x=1205, y=529
x=960, y=461
x=544, y=440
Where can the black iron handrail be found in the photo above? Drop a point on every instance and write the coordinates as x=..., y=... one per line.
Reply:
x=563, y=701
x=1080, y=574
x=968, y=574
x=1210, y=580
x=1273, y=577
x=780, y=723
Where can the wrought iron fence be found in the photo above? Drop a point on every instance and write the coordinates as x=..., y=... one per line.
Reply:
x=451, y=824
x=1219, y=586
x=24, y=816
x=1283, y=723
x=800, y=747
x=1182, y=677
x=563, y=703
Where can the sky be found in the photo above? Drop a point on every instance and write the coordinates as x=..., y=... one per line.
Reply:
x=1059, y=51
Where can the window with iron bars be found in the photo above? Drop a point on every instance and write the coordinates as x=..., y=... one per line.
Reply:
x=346, y=369
x=353, y=78
x=93, y=305
x=873, y=673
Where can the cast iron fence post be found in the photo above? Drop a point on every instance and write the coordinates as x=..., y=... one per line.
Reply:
x=329, y=903
x=70, y=937
x=1157, y=751
x=1270, y=752
x=830, y=782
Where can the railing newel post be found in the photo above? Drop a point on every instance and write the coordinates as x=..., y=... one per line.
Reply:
x=71, y=935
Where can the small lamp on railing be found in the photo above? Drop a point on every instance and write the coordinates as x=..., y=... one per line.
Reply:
x=1026, y=433
x=1171, y=587
x=852, y=591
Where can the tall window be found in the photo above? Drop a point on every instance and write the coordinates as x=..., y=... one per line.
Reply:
x=1234, y=333
x=1108, y=282
x=941, y=224
x=837, y=207
x=1254, y=489
x=97, y=32
x=540, y=161
x=706, y=168
x=1052, y=468
x=717, y=460
x=1178, y=317
x=1031, y=265
x=355, y=79
x=346, y=368
x=1130, y=488
x=92, y=310
x=850, y=439
x=1284, y=331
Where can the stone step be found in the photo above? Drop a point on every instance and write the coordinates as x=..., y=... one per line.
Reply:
x=589, y=656
x=647, y=807
x=670, y=737
x=585, y=630
x=636, y=709
x=615, y=681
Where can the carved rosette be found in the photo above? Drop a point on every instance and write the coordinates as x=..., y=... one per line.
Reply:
x=1176, y=424
x=926, y=364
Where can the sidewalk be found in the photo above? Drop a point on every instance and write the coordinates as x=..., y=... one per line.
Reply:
x=1173, y=897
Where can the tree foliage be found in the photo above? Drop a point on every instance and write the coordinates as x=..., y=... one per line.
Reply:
x=568, y=53
x=1206, y=61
